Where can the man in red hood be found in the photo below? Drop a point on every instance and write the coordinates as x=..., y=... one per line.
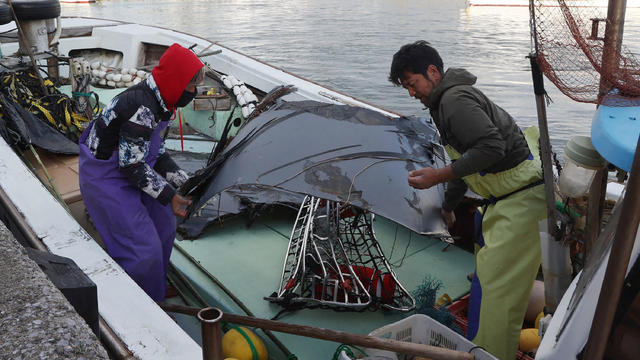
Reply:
x=128, y=181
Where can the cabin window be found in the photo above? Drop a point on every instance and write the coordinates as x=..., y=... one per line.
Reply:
x=150, y=54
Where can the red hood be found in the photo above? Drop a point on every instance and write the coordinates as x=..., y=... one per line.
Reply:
x=177, y=67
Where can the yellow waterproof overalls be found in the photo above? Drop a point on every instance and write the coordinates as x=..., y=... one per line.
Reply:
x=507, y=250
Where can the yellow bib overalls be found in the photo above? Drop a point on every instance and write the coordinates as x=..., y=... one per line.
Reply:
x=507, y=250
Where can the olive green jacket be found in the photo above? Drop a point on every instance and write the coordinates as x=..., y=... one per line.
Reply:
x=484, y=133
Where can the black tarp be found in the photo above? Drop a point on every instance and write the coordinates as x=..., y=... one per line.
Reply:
x=20, y=128
x=336, y=152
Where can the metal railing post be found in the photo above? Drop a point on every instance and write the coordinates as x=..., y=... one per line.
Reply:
x=211, y=333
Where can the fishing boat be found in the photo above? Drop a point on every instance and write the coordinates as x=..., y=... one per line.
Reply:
x=229, y=265
x=235, y=252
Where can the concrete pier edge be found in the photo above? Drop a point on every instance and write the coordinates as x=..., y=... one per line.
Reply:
x=36, y=320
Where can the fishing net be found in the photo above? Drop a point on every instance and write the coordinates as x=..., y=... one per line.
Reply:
x=54, y=108
x=568, y=38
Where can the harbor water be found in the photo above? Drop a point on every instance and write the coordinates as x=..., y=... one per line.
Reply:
x=348, y=45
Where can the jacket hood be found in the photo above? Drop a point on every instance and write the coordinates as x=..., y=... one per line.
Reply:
x=173, y=73
x=452, y=77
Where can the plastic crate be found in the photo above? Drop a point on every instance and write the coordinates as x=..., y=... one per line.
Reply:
x=459, y=311
x=422, y=329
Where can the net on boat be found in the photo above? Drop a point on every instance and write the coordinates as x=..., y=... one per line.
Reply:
x=334, y=260
x=53, y=107
x=568, y=37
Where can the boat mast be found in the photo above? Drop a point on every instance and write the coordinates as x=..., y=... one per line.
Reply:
x=612, y=43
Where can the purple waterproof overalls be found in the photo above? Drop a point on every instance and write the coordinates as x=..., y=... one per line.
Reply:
x=136, y=229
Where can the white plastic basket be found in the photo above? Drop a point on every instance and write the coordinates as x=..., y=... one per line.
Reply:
x=422, y=329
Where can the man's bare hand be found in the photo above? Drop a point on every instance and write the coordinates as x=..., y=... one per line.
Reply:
x=424, y=178
x=179, y=205
x=449, y=217
x=428, y=177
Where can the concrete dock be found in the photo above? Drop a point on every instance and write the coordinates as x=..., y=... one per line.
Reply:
x=36, y=320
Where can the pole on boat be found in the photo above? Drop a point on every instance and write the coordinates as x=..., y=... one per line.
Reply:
x=432, y=352
x=595, y=208
x=614, y=277
x=610, y=64
x=612, y=44
x=23, y=39
x=211, y=333
x=52, y=62
x=545, y=143
x=556, y=263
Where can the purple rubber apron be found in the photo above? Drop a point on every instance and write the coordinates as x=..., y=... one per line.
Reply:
x=136, y=229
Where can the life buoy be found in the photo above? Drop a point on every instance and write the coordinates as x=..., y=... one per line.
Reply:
x=36, y=9
x=5, y=13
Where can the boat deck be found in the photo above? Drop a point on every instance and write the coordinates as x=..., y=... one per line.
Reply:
x=248, y=262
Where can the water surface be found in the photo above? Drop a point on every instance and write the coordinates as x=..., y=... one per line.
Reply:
x=348, y=45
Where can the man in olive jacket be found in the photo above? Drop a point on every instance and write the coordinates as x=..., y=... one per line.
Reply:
x=495, y=159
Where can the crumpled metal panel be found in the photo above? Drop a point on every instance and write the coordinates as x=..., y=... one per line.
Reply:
x=336, y=152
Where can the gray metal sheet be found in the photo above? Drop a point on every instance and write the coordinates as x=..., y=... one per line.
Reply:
x=335, y=152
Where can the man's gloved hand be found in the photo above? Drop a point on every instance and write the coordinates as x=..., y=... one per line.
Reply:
x=179, y=205
x=449, y=217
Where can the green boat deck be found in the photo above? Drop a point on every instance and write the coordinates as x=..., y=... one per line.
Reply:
x=248, y=263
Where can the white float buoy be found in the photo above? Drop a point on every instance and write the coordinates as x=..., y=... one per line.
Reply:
x=226, y=82
x=252, y=98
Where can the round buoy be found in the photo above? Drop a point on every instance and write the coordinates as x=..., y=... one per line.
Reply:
x=241, y=343
x=536, y=302
x=529, y=340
